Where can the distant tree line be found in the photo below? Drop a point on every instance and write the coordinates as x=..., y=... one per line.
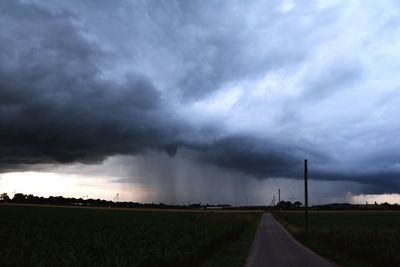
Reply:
x=20, y=198
x=348, y=206
x=288, y=205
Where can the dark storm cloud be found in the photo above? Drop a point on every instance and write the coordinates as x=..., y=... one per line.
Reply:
x=256, y=87
x=55, y=104
x=374, y=181
x=234, y=47
x=252, y=156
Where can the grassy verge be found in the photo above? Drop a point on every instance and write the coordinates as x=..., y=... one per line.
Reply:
x=349, y=238
x=235, y=253
x=49, y=236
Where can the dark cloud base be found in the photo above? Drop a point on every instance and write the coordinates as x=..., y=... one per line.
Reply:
x=56, y=107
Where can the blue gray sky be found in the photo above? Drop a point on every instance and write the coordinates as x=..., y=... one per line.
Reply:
x=192, y=97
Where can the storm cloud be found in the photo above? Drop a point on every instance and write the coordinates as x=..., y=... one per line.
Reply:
x=56, y=104
x=253, y=88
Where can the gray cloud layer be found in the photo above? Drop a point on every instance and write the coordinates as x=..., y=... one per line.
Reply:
x=255, y=87
x=55, y=103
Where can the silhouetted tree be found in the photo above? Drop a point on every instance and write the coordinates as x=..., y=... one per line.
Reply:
x=297, y=204
x=4, y=197
x=19, y=198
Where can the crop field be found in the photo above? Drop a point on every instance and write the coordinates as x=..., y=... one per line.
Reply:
x=349, y=238
x=55, y=236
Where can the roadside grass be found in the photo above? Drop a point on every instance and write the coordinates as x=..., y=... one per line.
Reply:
x=56, y=236
x=235, y=254
x=349, y=238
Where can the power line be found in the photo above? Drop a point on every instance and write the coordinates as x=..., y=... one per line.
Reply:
x=294, y=178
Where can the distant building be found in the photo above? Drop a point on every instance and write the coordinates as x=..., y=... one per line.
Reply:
x=213, y=208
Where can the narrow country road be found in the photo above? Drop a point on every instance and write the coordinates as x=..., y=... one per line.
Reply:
x=273, y=246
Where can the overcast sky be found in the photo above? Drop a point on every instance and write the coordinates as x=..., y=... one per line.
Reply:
x=183, y=98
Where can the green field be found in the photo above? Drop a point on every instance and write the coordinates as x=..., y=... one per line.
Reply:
x=350, y=238
x=54, y=236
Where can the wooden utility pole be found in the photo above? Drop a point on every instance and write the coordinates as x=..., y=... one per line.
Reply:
x=279, y=195
x=306, y=195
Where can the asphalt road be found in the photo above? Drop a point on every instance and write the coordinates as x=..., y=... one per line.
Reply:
x=273, y=246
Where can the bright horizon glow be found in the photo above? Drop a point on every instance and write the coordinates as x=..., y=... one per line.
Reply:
x=67, y=185
x=371, y=199
x=96, y=187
